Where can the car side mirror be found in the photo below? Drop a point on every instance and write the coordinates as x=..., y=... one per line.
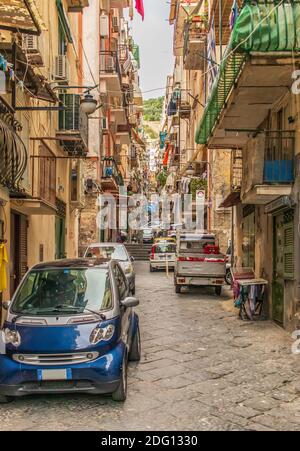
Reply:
x=5, y=305
x=130, y=302
x=132, y=259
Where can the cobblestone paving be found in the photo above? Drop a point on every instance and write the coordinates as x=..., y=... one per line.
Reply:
x=202, y=369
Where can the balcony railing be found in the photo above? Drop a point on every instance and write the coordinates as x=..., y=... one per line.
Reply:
x=13, y=153
x=109, y=63
x=73, y=125
x=268, y=166
x=279, y=157
x=43, y=176
x=236, y=169
x=195, y=35
x=110, y=171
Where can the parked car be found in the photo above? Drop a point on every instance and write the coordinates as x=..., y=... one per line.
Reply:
x=148, y=236
x=114, y=251
x=199, y=262
x=70, y=328
x=162, y=254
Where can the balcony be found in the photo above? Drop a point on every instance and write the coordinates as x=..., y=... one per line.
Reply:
x=268, y=171
x=110, y=72
x=19, y=16
x=118, y=112
x=111, y=177
x=42, y=197
x=13, y=153
x=254, y=74
x=236, y=174
x=76, y=6
x=123, y=135
x=118, y=3
x=195, y=34
x=124, y=59
x=73, y=126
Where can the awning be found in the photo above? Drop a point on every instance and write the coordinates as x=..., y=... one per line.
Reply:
x=63, y=18
x=19, y=15
x=13, y=157
x=231, y=200
x=260, y=27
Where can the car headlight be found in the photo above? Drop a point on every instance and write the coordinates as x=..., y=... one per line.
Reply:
x=102, y=334
x=12, y=337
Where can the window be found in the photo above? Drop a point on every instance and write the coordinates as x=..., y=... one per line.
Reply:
x=65, y=291
x=121, y=283
x=108, y=252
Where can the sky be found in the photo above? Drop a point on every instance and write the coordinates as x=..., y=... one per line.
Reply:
x=155, y=38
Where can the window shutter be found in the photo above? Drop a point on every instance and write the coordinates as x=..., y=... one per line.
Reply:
x=288, y=253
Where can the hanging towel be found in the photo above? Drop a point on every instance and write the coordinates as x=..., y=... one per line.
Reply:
x=3, y=264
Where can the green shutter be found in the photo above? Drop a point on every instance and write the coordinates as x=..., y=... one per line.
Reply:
x=288, y=253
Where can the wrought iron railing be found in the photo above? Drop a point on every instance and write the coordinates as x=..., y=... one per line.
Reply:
x=13, y=153
x=73, y=120
x=195, y=31
x=43, y=176
x=279, y=157
x=110, y=170
x=109, y=63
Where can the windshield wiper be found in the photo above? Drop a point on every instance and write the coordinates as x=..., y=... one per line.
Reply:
x=59, y=308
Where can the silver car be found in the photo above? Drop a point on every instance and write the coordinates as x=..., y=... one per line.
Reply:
x=114, y=251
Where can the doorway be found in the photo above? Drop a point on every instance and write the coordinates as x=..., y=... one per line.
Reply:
x=283, y=261
x=18, y=250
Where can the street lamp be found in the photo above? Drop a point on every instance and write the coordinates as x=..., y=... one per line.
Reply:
x=190, y=170
x=88, y=104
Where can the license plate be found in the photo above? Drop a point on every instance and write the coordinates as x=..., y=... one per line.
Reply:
x=54, y=375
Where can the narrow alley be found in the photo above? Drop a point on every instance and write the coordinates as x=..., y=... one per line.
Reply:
x=202, y=369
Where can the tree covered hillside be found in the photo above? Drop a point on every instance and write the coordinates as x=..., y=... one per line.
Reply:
x=153, y=109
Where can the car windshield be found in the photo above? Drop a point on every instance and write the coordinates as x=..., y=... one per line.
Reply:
x=165, y=248
x=108, y=252
x=65, y=291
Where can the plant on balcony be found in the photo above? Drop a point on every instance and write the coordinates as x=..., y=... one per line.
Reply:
x=197, y=184
x=162, y=179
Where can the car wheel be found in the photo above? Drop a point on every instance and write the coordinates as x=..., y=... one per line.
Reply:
x=228, y=278
x=135, y=351
x=218, y=291
x=120, y=394
x=178, y=289
x=6, y=399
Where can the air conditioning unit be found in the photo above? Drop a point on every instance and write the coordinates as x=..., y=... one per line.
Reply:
x=61, y=70
x=110, y=64
x=30, y=43
x=115, y=24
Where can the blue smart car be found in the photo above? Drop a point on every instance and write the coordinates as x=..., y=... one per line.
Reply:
x=70, y=327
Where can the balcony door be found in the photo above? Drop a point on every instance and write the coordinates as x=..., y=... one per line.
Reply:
x=283, y=261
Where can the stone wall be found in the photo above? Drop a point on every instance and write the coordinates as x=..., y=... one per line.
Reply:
x=220, y=188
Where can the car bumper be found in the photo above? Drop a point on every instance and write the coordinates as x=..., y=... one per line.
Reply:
x=161, y=264
x=100, y=376
x=201, y=281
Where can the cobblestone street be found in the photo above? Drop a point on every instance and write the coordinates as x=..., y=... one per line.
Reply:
x=202, y=369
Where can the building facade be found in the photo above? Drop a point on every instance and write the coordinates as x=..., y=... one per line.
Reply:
x=252, y=109
x=43, y=130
